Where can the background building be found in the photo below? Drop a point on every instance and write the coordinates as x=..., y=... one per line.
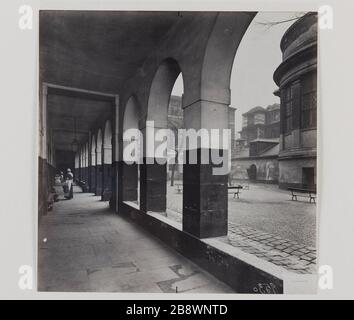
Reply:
x=261, y=122
x=175, y=122
x=255, y=156
x=296, y=77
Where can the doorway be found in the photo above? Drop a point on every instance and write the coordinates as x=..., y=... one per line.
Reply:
x=308, y=178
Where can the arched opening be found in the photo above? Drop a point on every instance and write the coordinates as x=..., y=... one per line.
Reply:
x=82, y=163
x=77, y=167
x=99, y=163
x=175, y=122
x=255, y=120
x=257, y=129
x=252, y=172
x=107, y=162
x=130, y=170
x=84, y=167
x=93, y=165
x=164, y=174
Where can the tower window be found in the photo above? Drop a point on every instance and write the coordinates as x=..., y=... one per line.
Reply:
x=288, y=112
x=309, y=102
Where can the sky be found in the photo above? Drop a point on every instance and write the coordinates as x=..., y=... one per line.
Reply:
x=257, y=57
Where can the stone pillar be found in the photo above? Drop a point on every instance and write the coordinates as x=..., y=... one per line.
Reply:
x=153, y=177
x=80, y=165
x=82, y=177
x=98, y=171
x=42, y=159
x=84, y=164
x=85, y=169
x=129, y=181
x=93, y=179
x=93, y=173
x=205, y=196
x=113, y=203
x=107, y=173
x=153, y=173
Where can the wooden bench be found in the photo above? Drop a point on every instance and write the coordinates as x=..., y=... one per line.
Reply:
x=305, y=193
x=237, y=190
x=179, y=187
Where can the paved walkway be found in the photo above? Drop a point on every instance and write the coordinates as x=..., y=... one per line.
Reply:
x=83, y=246
x=266, y=223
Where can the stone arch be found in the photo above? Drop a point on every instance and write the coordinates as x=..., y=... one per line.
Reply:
x=206, y=65
x=130, y=172
x=209, y=110
x=228, y=31
x=154, y=171
x=132, y=113
x=160, y=91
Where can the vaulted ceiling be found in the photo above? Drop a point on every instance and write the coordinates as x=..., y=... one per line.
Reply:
x=98, y=50
x=72, y=118
x=92, y=50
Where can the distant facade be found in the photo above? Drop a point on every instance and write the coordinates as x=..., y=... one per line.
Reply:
x=175, y=122
x=296, y=77
x=255, y=156
x=175, y=112
x=261, y=123
x=278, y=144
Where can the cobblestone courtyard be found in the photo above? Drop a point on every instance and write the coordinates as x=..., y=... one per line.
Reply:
x=265, y=222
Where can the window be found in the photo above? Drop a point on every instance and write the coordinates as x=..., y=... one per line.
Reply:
x=273, y=116
x=276, y=115
x=308, y=102
x=288, y=112
x=259, y=118
x=244, y=121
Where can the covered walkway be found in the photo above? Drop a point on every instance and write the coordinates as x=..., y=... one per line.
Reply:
x=105, y=84
x=85, y=246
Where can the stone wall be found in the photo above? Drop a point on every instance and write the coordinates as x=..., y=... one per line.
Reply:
x=290, y=171
x=267, y=169
x=225, y=262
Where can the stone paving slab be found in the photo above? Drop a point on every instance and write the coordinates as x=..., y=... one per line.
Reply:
x=83, y=246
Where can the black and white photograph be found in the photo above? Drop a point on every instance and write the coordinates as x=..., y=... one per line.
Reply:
x=178, y=152
x=178, y=158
